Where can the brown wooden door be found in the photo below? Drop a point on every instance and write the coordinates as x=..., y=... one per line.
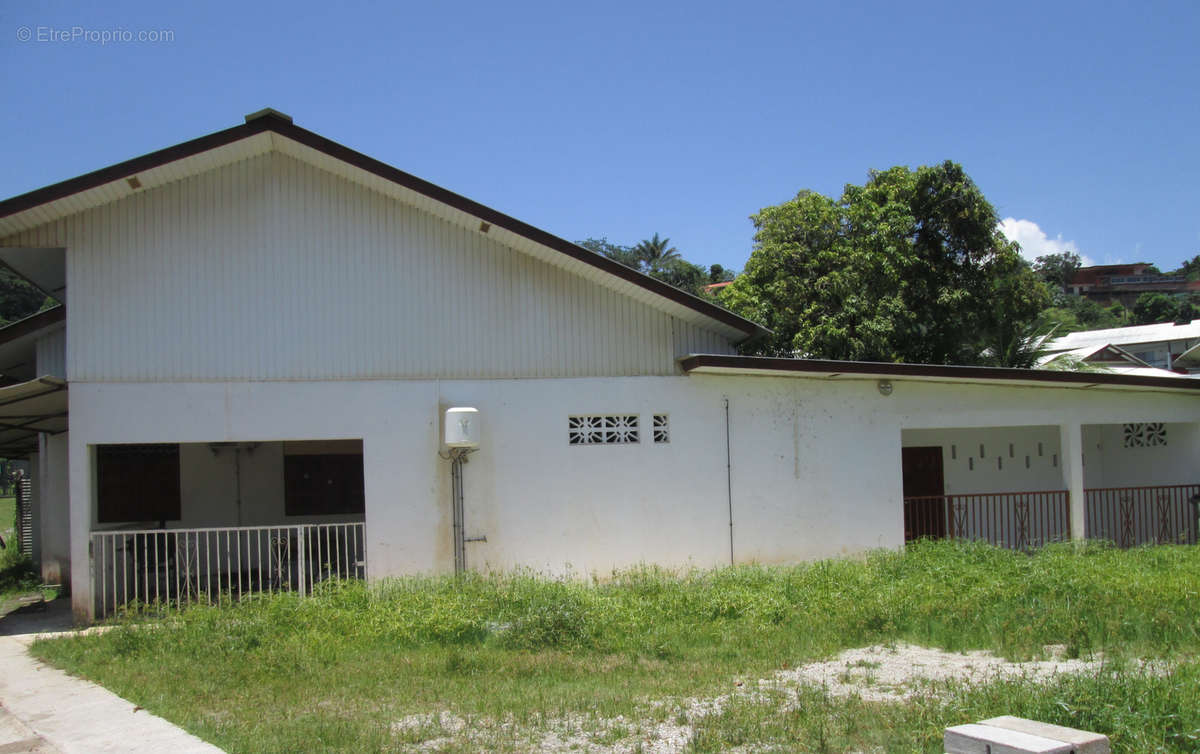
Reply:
x=923, y=479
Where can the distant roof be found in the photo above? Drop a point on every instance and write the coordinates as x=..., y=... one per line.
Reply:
x=1113, y=360
x=268, y=130
x=1126, y=336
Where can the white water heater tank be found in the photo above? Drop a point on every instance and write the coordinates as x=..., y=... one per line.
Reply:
x=461, y=429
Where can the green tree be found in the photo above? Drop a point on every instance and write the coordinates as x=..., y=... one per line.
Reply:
x=1058, y=269
x=1188, y=311
x=656, y=258
x=910, y=266
x=1153, y=308
x=1190, y=269
x=682, y=274
x=656, y=253
x=1072, y=313
x=718, y=274
x=623, y=254
x=18, y=299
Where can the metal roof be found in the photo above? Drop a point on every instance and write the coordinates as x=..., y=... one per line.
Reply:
x=29, y=409
x=1125, y=336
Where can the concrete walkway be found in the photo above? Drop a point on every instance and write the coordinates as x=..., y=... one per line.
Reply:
x=45, y=710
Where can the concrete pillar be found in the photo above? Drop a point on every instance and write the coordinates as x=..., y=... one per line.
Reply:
x=54, y=524
x=1071, y=443
x=82, y=486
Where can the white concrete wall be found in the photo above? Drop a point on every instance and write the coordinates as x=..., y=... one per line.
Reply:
x=1013, y=459
x=816, y=464
x=270, y=268
x=1177, y=462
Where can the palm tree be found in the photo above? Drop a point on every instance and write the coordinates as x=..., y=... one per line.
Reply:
x=654, y=252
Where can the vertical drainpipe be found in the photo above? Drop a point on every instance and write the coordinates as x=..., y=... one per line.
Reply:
x=729, y=479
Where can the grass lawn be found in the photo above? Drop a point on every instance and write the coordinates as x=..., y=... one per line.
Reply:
x=17, y=577
x=8, y=514
x=517, y=663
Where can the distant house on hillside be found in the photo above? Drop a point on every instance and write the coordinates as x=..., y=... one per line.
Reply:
x=1123, y=283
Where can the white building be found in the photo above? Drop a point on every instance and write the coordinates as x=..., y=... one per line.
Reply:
x=1158, y=345
x=263, y=329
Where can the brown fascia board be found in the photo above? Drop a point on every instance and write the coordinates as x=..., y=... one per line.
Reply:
x=32, y=324
x=883, y=369
x=279, y=124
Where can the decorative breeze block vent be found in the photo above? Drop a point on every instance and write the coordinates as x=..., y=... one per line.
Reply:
x=611, y=429
x=662, y=428
x=1145, y=435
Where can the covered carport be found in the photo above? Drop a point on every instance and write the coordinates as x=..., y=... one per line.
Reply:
x=33, y=428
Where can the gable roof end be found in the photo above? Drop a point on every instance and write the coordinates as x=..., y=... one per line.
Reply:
x=108, y=183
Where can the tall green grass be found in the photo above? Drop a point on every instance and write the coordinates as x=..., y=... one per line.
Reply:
x=339, y=667
x=1140, y=711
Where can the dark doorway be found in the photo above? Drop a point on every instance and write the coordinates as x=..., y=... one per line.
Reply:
x=924, y=486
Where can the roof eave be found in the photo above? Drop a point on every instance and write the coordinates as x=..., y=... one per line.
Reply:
x=278, y=124
x=815, y=368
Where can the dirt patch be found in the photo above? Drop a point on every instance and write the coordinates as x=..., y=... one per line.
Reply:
x=895, y=673
x=881, y=673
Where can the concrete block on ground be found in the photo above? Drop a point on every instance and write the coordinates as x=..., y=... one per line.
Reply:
x=1084, y=741
x=986, y=739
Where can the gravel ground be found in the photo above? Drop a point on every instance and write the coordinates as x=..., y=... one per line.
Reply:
x=895, y=673
x=881, y=673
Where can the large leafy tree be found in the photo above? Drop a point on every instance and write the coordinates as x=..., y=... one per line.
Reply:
x=1058, y=269
x=1154, y=308
x=910, y=266
x=1190, y=269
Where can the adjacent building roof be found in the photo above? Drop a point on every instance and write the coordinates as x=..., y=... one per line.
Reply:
x=269, y=130
x=1113, y=359
x=1124, y=336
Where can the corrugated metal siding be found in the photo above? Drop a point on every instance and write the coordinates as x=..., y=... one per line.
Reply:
x=150, y=179
x=688, y=336
x=52, y=354
x=272, y=269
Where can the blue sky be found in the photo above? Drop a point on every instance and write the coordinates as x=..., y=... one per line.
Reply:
x=1078, y=120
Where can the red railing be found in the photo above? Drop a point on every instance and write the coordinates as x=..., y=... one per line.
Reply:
x=1017, y=520
x=1126, y=516
x=1132, y=516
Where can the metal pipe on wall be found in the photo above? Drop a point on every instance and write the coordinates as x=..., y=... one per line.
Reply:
x=729, y=479
x=456, y=507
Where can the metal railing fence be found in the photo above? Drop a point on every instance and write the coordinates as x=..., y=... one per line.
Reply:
x=1132, y=516
x=1126, y=516
x=174, y=567
x=1017, y=520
